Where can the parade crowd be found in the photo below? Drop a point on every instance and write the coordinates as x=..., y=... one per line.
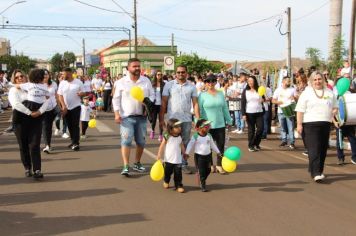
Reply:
x=195, y=113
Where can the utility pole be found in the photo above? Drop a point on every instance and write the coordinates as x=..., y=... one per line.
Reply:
x=135, y=26
x=172, y=45
x=84, y=64
x=335, y=23
x=289, y=47
x=352, y=38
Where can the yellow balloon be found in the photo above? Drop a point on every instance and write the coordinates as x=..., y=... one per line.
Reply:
x=228, y=165
x=157, y=171
x=92, y=123
x=137, y=93
x=261, y=91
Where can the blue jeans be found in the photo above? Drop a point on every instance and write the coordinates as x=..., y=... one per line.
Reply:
x=265, y=123
x=239, y=122
x=186, y=129
x=133, y=128
x=287, y=125
x=349, y=132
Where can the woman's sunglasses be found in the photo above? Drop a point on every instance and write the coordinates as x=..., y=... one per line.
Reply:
x=19, y=76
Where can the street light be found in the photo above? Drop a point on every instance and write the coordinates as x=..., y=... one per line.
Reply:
x=18, y=2
x=83, y=47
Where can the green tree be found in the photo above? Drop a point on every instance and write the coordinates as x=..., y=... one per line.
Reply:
x=68, y=58
x=91, y=70
x=314, y=55
x=336, y=58
x=197, y=64
x=56, y=62
x=21, y=62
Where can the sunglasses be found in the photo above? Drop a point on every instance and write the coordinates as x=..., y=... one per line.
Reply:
x=19, y=76
x=210, y=81
x=180, y=72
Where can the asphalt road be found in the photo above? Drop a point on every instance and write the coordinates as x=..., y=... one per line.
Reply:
x=83, y=193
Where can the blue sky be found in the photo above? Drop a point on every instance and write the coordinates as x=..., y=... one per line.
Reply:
x=256, y=42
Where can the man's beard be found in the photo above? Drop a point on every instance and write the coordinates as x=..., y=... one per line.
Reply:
x=136, y=72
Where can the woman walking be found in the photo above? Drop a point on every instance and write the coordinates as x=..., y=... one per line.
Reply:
x=315, y=108
x=157, y=85
x=213, y=107
x=27, y=124
x=252, y=112
x=51, y=112
x=107, y=89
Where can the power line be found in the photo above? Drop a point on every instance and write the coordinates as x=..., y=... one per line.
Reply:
x=100, y=8
x=312, y=12
x=117, y=4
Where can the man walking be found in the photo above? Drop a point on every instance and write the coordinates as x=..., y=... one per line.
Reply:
x=69, y=92
x=177, y=98
x=130, y=114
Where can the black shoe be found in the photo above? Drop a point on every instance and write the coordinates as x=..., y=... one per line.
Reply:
x=292, y=146
x=203, y=186
x=70, y=146
x=258, y=148
x=9, y=129
x=283, y=144
x=38, y=174
x=28, y=173
x=252, y=149
x=75, y=147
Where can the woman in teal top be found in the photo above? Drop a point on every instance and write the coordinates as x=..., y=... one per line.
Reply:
x=213, y=107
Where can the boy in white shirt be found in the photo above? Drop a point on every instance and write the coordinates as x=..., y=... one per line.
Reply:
x=203, y=143
x=85, y=113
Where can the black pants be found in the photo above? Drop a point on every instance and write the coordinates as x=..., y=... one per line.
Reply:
x=28, y=134
x=107, y=100
x=48, y=118
x=170, y=168
x=84, y=126
x=255, y=128
x=155, y=114
x=73, y=118
x=219, y=138
x=203, y=163
x=316, y=139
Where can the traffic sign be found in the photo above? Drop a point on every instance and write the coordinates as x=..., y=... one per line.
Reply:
x=168, y=62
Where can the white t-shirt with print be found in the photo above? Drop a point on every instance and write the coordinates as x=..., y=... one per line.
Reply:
x=173, y=151
x=35, y=92
x=314, y=108
x=284, y=95
x=85, y=112
x=69, y=91
x=202, y=145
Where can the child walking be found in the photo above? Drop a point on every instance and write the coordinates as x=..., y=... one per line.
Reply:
x=203, y=143
x=173, y=149
x=85, y=116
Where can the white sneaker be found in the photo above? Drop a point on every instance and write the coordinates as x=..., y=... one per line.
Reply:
x=47, y=149
x=240, y=131
x=322, y=176
x=56, y=133
x=236, y=131
x=318, y=178
x=65, y=135
x=82, y=137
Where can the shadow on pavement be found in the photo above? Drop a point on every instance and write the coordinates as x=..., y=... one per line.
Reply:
x=48, y=196
x=267, y=187
x=45, y=158
x=331, y=178
x=26, y=223
x=257, y=167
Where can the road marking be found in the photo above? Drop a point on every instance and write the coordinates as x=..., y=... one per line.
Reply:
x=103, y=127
x=150, y=154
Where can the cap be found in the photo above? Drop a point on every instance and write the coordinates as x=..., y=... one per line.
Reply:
x=207, y=122
x=177, y=123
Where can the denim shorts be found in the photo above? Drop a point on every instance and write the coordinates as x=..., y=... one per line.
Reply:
x=133, y=127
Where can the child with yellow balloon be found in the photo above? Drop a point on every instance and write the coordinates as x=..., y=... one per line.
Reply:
x=172, y=149
x=202, y=143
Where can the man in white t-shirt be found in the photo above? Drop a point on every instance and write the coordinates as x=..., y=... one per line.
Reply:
x=284, y=96
x=130, y=114
x=69, y=92
x=97, y=83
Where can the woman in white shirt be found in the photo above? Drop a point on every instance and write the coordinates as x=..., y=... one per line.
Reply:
x=157, y=85
x=252, y=112
x=315, y=108
x=27, y=125
x=107, y=89
x=51, y=112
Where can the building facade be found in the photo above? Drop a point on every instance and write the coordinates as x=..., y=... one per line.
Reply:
x=115, y=57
